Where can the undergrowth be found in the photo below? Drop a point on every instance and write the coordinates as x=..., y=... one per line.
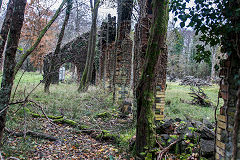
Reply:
x=84, y=108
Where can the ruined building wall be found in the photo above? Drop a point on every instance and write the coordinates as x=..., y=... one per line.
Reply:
x=102, y=48
x=123, y=56
x=225, y=125
x=74, y=52
x=107, y=39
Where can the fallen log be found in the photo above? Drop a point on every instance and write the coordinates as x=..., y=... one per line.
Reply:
x=66, y=121
x=32, y=134
x=35, y=115
x=100, y=135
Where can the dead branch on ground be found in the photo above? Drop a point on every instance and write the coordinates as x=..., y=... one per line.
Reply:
x=165, y=150
x=32, y=134
x=199, y=97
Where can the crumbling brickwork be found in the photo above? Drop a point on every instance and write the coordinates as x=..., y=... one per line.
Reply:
x=225, y=120
x=73, y=52
x=123, y=56
x=107, y=39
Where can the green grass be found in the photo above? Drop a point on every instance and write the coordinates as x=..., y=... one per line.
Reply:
x=28, y=78
x=177, y=109
x=64, y=99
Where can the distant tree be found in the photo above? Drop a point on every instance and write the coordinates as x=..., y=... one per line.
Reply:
x=53, y=77
x=29, y=51
x=178, y=42
x=145, y=136
x=9, y=62
x=87, y=73
x=79, y=21
x=36, y=17
x=0, y=4
x=10, y=66
x=5, y=29
x=177, y=61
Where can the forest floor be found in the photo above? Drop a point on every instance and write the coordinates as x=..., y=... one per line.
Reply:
x=85, y=109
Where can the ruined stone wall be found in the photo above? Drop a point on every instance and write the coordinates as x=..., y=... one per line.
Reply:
x=102, y=48
x=123, y=55
x=141, y=39
x=225, y=120
x=109, y=68
x=123, y=61
x=107, y=39
x=73, y=52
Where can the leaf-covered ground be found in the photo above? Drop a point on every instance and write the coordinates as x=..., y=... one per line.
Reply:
x=83, y=108
x=71, y=145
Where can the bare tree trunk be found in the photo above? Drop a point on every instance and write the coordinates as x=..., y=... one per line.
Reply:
x=87, y=74
x=213, y=74
x=9, y=62
x=145, y=136
x=0, y=4
x=5, y=29
x=77, y=18
x=53, y=76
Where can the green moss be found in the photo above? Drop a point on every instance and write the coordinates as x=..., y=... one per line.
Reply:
x=58, y=120
x=105, y=131
x=106, y=135
x=65, y=121
x=82, y=127
x=143, y=154
x=104, y=115
x=99, y=136
x=149, y=156
x=35, y=115
x=174, y=136
x=70, y=122
x=54, y=117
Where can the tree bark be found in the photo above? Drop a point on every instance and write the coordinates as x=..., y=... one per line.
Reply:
x=5, y=29
x=87, y=73
x=213, y=73
x=53, y=77
x=230, y=86
x=0, y=4
x=9, y=62
x=145, y=136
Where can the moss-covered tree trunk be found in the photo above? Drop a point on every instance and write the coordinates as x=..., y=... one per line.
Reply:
x=53, y=76
x=87, y=73
x=145, y=136
x=5, y=29
x=9, y=62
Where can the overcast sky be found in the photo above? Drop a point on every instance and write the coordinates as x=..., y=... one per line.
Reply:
x=103, y=10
